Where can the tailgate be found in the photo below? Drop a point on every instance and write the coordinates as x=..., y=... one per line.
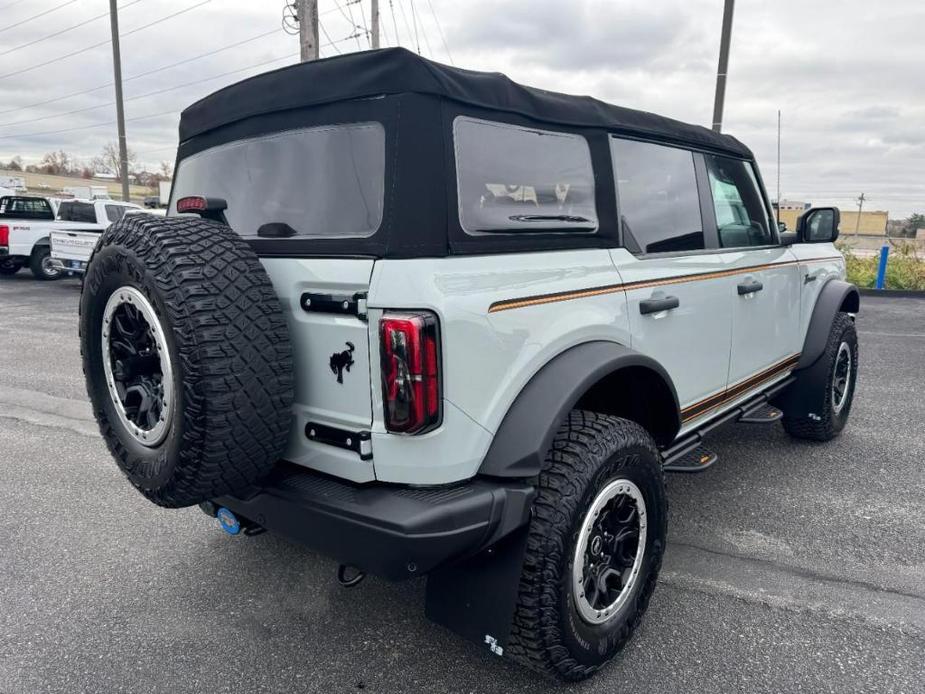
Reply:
x=331, y=361
x=73, y=245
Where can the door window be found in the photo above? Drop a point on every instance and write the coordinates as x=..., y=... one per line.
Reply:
x=658, y=200
x=741, y=216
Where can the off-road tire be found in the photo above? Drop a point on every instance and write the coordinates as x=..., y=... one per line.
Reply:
x=9, y=268
x=228, y=342
x=829, y=423
x=548, y=634
x=37, y=265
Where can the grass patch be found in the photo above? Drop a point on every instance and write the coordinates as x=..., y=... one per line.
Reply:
x=904, y=268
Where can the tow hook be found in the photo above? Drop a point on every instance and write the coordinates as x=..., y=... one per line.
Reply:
x=354, y=580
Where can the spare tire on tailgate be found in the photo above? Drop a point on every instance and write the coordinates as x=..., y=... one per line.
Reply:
x=187, y=357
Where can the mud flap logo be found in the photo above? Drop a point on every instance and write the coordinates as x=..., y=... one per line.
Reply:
x=493, y=645
x=342, y=360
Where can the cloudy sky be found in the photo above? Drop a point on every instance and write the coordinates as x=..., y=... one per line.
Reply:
x=848, y=75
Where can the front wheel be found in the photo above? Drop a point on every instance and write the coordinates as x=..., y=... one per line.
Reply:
x=832, y=403
x=594, y=547
x=42, y=266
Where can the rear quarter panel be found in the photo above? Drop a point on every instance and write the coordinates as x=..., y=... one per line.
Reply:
x=487, y=357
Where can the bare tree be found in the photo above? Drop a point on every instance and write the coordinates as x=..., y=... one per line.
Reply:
x=108, y=160
x=59, y=163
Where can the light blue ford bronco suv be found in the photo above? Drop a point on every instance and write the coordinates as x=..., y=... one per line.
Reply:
x=427, y=321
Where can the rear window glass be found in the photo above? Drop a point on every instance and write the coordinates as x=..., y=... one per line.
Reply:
x=658, y=200
x=323, y=182
x=26, y=208
x=516, y=179
x=82, y=212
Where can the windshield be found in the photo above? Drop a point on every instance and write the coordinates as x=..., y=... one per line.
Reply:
x=324, y=182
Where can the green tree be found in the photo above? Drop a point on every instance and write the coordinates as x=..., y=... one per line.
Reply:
x=914, y=222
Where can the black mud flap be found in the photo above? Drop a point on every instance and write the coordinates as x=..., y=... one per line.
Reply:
x=476, y=597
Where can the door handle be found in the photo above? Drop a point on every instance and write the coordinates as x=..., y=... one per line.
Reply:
x=750, y=287
x=658, y=305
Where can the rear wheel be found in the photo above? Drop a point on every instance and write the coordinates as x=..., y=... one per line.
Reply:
x=187, y=358
x=9, y=267
x=831, y=405
x=42, y=266
x=594, y=547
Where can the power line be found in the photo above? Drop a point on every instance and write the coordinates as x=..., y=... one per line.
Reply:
x=154, y=93
x=411, y=34
x=36, y=16
x=327, y=36
x=103, y=43
x=143, y=74
x=446, y=46
x=395, y=24
x=15, y=2
x=414, y=18
x=89, y=127
x=64, y=31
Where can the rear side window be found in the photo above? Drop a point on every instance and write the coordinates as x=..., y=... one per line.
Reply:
x=516, y=179
x=26, y=208
x=115, y=212
x=741, y=216
x=323, y=182
x=82, y=212
x=658, y=200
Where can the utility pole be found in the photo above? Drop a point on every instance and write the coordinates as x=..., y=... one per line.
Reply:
x=120, y=109
x=375, y=22
x=857, y=224
x=723, y=66
x=308, y=29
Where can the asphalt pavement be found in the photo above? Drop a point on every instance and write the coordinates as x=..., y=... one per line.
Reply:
x=791, y=567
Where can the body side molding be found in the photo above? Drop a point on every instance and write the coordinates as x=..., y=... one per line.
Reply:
x=526, y=432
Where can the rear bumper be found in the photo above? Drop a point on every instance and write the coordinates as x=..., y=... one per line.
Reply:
x=391, y=531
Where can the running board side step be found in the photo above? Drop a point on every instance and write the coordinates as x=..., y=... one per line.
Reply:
x=697, y=459
x=762, y=414
x=688, y=455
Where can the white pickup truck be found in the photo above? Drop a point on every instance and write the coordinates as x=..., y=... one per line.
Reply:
x=23, y=234
x=71, y=248
x=27, y=226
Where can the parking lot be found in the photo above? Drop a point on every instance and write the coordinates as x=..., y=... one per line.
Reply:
x=790, y=567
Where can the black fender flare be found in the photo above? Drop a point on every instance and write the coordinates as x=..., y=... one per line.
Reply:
x=801, y=399
x=526, y=432
x=835, y=296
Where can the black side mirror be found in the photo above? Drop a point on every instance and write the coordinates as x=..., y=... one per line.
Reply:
x=819, y=225
x=788, y=238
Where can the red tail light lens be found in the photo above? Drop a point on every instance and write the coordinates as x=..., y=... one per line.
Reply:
x=409, y=356
x=193, y=203
x=4, y=235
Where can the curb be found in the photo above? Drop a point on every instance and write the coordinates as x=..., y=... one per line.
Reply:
x=898, y=293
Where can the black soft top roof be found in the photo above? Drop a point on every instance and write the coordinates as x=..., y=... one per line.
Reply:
x=398, y=71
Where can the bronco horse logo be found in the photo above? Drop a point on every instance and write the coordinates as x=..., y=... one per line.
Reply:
x=342, y=360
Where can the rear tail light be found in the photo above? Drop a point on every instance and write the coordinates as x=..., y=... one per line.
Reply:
x=4, y=235
x=410, y=363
